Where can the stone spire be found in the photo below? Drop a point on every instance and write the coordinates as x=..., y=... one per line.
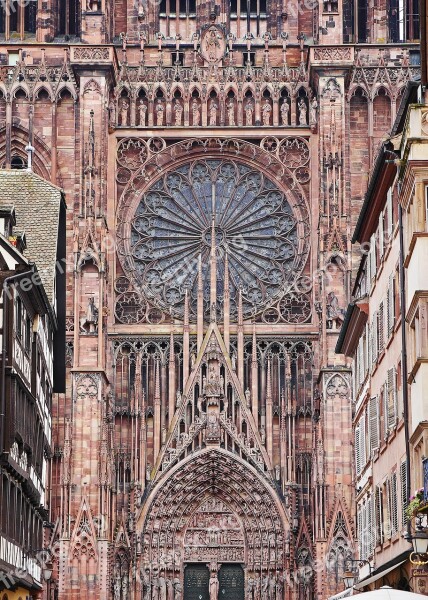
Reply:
x=226, y=304
x=200, y=305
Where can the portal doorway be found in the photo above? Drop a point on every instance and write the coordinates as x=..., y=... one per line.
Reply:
x=196, y=582
x=231, y=582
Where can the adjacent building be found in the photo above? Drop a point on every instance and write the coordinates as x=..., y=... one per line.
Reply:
x=32, y=272
x=385, y=333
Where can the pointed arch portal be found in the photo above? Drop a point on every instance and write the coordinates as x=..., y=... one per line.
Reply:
x=214, y=509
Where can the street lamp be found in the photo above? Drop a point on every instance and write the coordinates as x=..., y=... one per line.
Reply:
x=420, y=542
x=349, y=579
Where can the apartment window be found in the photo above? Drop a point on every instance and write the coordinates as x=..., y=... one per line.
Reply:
x=18, y=18
x=68, y=11
x=412, y=20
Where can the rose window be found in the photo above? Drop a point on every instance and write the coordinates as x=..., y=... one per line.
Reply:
x=220, y=204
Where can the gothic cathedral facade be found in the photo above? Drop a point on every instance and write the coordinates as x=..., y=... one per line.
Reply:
x=214, y=157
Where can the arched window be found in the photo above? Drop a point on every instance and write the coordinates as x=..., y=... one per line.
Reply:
x=18, y=17
x=248, y=16
x=68, y=11
x=17, y=162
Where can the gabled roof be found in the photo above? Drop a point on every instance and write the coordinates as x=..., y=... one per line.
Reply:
x=37, y=204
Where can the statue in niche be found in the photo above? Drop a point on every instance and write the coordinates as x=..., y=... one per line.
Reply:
x=148, y=472
x=169, y=589
x=162, y=587
x=230, y=106
x=313, y=112
x=233, y=361
x=117, y=587
x=196, y=113
x=334, y=312
x=178, y=399
x=146, y=585
x=155, y=589
x=265, y=587
x=192, y=360
x=213, y=586
x=285, y=110
x=249, y=111
x=213, y=112
x=277, y=472
x=257, y=588
x=125, y=587
x=124, y=112
x=263, y=434
x=89, y=323
x=142, y=109
x=302, y=112
x=250, y=587
x=178, y=110
x=248, y=397
x=159, y=113
x=112, y=113
x=178, y=588
x=266, y=110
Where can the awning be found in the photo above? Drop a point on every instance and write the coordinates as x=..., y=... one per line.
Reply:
x=344, y=594
x=361, y=584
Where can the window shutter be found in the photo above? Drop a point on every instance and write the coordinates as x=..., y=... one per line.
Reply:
x=389, y=214
x=387, y=520
x=360, y=530
x=385, y=408
x=370, y=347
x=363, y=454
x=379, y=516
x=374, y=423
x=380, y=320
x=357, y=450
x=375, y=345
x=372, y=525
x=391, y=398
x=404, y=492
x=381, y=237
x=365, y=532
x=390, y=306
x=395, y=395
x=394, y=504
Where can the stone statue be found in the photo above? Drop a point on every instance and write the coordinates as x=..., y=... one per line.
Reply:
x=263, y=435
x=112, y=113
x=155, y=589
x=117, y=587
x=213, y=113
x=196, y=113
x=125, y=587
x=313, y=112
x=231, y=112
x=169, y=589
x=248, y=397
x=257, y=588
x=285, y=109
x=162, y=587
x=272, y=586
x=142, y=109
x=250, y=588
x=277, y=472
x=192, y=360
x=265, y=587
x=302, y=112
x=249, y=110
x=89, y=324
x=233, y=361
x=124, y=112
x=266, y=110
x=159, y=113
x=213, y=586
x=146, y=585
x=334, y=313
x=178, y=110
x=178, y=399
x=177, y=589
x=148, y=472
